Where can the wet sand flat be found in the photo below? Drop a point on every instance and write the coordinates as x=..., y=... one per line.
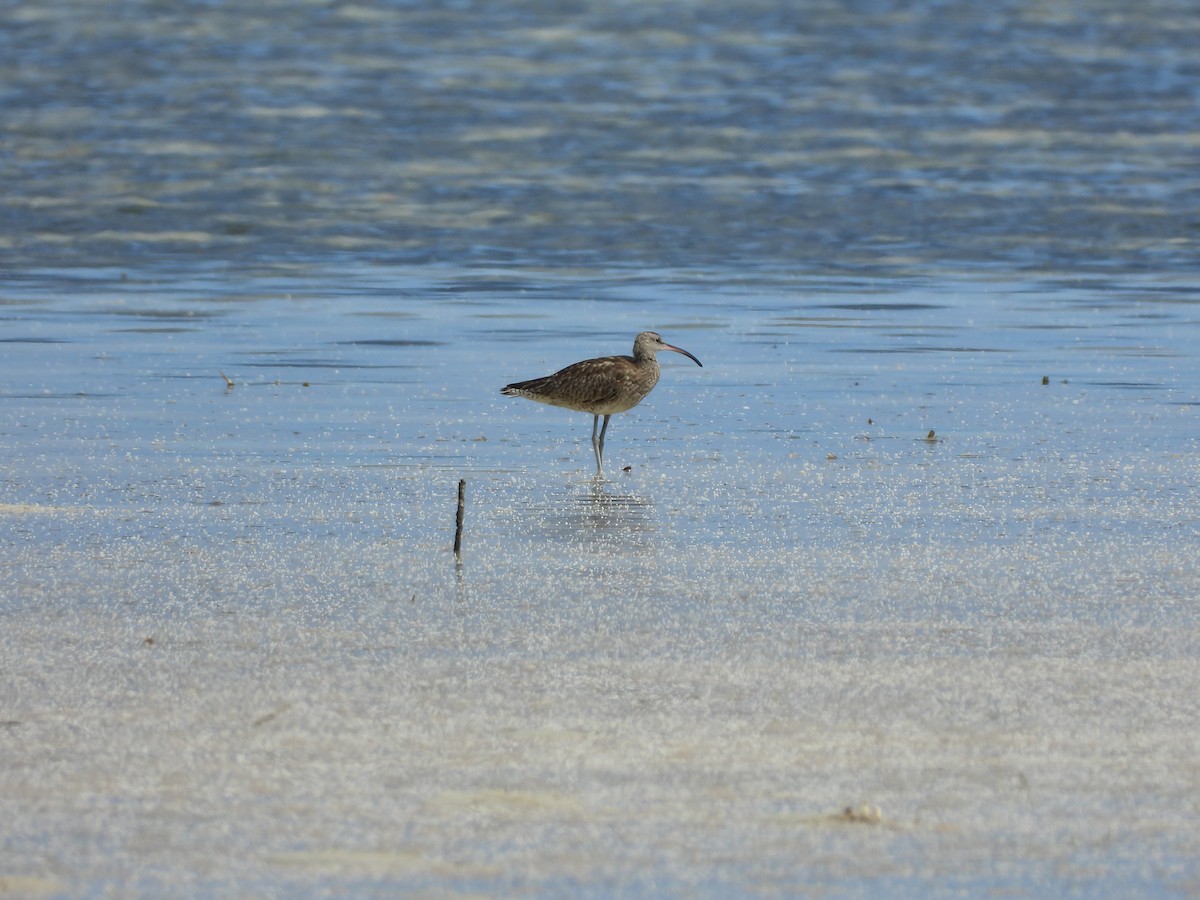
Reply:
x=223, y=752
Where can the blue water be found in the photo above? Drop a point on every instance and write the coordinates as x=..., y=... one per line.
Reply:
x=920, y=535
x=819, y=137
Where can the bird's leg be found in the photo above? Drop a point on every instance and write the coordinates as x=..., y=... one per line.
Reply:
x=600, y=447
x=598, y=444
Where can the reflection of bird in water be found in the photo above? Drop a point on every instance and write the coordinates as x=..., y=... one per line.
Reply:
x=602, y=387
x=596, y=522
x=626, y=511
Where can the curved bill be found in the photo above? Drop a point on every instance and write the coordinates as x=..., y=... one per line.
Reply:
x=667, y=346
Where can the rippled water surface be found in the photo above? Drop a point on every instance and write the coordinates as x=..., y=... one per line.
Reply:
x=895, y=596
x=816, y=136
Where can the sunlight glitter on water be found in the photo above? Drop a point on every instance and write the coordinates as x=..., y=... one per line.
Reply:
x=795, y=601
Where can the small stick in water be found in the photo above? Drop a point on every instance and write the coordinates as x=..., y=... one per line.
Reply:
x=458, y=519
x=228, y=381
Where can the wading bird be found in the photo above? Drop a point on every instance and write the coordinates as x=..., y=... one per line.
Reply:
x=602, y=387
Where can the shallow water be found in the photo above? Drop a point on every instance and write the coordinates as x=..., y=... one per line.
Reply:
x=918, y=541
x=240, y=651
